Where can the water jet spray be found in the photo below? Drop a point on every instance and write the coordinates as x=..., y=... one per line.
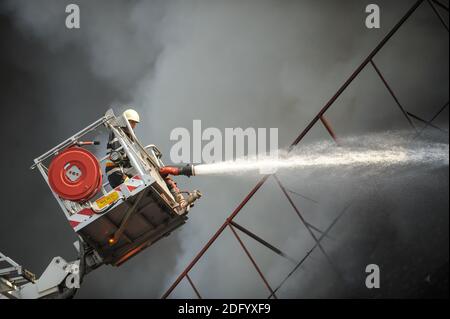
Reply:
x=377, y=153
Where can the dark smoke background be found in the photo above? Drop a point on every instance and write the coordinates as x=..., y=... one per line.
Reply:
x=232, y=64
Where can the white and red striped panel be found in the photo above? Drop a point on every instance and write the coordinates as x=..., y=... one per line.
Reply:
x=80, y=217
x=132, y=185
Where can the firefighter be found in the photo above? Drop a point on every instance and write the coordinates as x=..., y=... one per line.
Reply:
x=116, y=170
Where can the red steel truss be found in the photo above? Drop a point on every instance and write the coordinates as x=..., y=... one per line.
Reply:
x=436, y=6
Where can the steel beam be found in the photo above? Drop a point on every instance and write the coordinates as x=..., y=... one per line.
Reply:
x=193, y=286
x=329, y=128
x=443, y=6
x=355, y=73
x=377, y=70
x=426, y=122
x=296, y=141
x=438, y=14
x=262, y=241
x=253, y=262
x=303, y=196
x=432, y=119
x=305, y=223
x=214, y=237
x=311, y=250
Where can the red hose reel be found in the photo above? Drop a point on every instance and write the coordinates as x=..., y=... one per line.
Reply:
x=75, y=174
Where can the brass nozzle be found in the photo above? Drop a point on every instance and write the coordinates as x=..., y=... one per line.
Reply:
x=189, y=201
x=193, y=196
x=179, y=198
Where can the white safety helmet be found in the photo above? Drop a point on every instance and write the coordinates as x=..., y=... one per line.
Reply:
x=131, y=115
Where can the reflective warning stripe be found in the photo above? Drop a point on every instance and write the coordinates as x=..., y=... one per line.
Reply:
x=134, y=183
x=80, y=217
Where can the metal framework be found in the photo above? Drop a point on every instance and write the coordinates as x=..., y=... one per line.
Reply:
x=229, y=223
x=12, y=275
